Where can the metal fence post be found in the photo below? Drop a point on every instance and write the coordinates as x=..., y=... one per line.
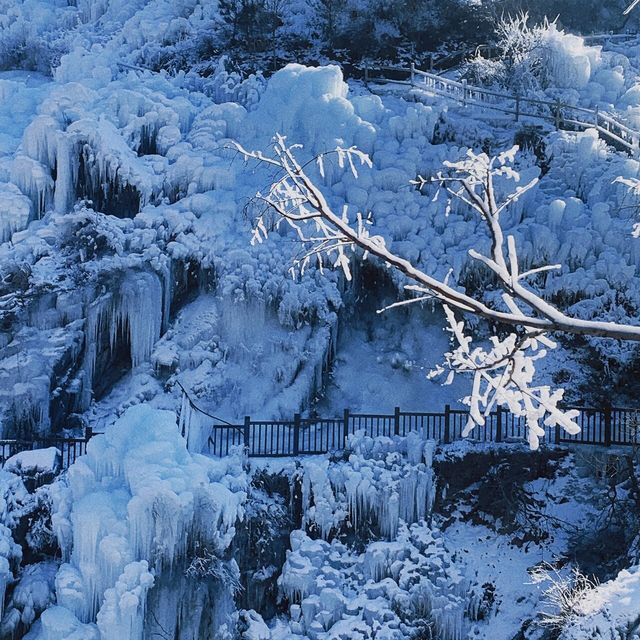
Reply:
x=366, y=75
x=607, y=425
x=447, y=424
x=557, y=434
x=517, y=108
x=247, y=428
x=345, y=421
x=296, y=434
x=88, y=434
x=396, y=421
x=464, y=93
x=499, y=424
x=413, y=73
x=431, y=67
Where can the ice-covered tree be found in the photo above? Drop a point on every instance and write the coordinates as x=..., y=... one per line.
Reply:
x=504, y=371
x=523, y=52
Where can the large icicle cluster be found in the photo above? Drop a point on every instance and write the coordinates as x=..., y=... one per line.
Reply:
x=383, y=482
x=392, y=590
x=395, y=577
x=137, y=507
x=392, y=587
x=135, y=312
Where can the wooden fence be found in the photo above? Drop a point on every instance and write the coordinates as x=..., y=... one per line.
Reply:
x=311, y=436
x=563, y=116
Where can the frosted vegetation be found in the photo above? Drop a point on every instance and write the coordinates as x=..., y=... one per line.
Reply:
x=127, y=210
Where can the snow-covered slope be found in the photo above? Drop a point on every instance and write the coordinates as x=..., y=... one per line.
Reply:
x=125, y=267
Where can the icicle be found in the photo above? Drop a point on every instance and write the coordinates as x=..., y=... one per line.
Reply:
x=197, y=433
x=40, y=140
x=67, y=169
x=15, y=210
x=123, y=612
x=34, y=180
x=95, y=315
x=167, y=295
x=139, y=311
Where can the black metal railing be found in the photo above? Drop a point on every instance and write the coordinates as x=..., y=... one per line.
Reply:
x=605, y=426
x=70, y=448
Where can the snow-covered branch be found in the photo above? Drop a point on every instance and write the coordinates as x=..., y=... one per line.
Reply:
x=504, y=373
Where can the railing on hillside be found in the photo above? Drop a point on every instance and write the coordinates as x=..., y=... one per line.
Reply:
x=310, y=436
x=70, y=448
x=603, y=38
x=563, y=116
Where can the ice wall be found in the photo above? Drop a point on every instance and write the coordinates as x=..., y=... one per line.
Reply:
x=137, y=507
x=134, y=313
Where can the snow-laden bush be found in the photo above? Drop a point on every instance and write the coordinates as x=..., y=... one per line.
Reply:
x=607, y=610
x=565, y=594
x=535, y=57
x=34, y=35
x=207, y=564
x=520, y=65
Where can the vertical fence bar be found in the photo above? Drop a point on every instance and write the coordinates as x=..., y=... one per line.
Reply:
x=396, y=421
x=447, y=424
x=499, y=424
x=277, y=429
x=345, y=421
x=607, y=425
x=296, y=434
x=247, y=429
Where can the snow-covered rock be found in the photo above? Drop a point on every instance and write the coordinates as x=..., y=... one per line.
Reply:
x=34, y=462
